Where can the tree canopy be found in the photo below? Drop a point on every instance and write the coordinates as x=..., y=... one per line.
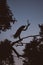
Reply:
x=33, y=52
x=6, y=16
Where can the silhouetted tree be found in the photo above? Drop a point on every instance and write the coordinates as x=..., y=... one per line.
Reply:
x=6, y=48
x=6, y=53
x=41, y=29
x=33, y=52
x=6, y=16
x=6, y=56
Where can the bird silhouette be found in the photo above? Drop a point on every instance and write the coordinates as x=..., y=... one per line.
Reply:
x=20, y=29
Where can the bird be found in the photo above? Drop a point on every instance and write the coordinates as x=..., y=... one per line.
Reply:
x=20, y=29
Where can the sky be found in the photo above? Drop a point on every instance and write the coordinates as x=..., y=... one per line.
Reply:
x=22, y=11
x=28, y=9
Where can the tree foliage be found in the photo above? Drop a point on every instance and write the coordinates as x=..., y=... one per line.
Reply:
x=6, y=16
x=33, y=52
x=6, y=56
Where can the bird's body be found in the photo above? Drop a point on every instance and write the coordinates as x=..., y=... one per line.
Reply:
x=20, y=29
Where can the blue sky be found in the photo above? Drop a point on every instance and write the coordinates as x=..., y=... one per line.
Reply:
x=28, y=9
x=23, y=10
